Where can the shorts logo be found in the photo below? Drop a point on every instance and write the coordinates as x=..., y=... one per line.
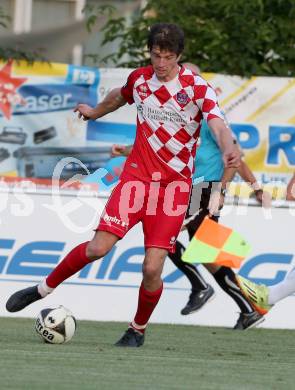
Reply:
x=182, y=97
x=172, y=240
x=107, y=218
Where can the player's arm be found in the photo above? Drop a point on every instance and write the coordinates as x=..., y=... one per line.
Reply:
x=111, y=102
x=219, y=191
x=227, y=177
x=291, y=189
x=231, y=154
x=121, y=150
x=247, y=175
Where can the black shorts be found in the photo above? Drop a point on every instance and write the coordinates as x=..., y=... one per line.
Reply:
x=198, y=205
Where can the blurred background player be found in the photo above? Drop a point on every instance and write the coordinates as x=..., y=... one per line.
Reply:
x=164, y=148
x=290, y=195
x=263, y=297
x=210, y=169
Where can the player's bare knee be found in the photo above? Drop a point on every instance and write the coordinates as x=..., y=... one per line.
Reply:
x=151, y=271
x=100, y=245
x=96, y=250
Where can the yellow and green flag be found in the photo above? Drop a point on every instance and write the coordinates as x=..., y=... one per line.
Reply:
x=218, y=244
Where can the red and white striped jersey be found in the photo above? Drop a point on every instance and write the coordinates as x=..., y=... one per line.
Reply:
x=169, y=116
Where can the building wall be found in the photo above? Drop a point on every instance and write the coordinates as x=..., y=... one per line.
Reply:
x=58, y=28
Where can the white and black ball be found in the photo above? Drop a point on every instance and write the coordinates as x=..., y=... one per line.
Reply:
x=55, y=326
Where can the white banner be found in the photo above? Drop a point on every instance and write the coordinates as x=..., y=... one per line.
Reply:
x=37, y=230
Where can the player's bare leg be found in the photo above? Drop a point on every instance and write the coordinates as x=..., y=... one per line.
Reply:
x=149, y=294
x=74, y=261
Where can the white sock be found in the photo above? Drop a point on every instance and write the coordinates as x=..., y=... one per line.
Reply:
x=282, y=290
x=43, y=289
x=138, y=328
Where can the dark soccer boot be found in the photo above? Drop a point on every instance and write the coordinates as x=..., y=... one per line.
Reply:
x=248, y=320
x=22, y=298
x=197, y=300
x=131, y=338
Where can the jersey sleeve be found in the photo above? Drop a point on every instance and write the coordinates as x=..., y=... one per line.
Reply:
x=127, y=89
x=205, y=98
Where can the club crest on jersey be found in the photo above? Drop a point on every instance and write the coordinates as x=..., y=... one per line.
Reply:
x=143, y=91
x=142, y=88
x=182, y=97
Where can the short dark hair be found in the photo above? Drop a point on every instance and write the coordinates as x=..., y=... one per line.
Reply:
x=167, y=36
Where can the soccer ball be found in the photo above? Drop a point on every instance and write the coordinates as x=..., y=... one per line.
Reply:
x=55, y=326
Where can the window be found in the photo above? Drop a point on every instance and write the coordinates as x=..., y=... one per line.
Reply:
x=53, y=13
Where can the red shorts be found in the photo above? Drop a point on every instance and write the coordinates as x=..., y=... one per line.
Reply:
x=160, y=209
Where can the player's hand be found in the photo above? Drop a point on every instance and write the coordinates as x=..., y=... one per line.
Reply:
x=232, y=159
x=263, y=197
x=258, y=195
x=118, y=150
x=215, y=203
x=290, y=196
x=85, y=112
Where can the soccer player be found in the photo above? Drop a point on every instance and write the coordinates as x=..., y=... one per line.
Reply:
x=209, y=172
x=263, y=297
x=210, y=169
x=155, y=184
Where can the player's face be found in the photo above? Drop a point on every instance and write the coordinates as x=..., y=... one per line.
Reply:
x=165, y=63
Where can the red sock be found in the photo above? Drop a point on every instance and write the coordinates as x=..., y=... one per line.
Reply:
x=147, y=301
x=72, y=263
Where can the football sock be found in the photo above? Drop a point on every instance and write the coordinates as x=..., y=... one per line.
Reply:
x=43, y=289
x=226, y=279
x=72, y=263
x=147, y=301
x=283, y=289
x=190, y=271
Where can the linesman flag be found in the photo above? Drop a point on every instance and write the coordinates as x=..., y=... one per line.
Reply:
x=218, y=244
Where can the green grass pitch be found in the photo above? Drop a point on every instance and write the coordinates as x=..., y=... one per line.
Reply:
x=173, y=357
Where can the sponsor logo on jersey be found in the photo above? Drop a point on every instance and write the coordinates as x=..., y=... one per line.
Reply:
x=162, y=115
